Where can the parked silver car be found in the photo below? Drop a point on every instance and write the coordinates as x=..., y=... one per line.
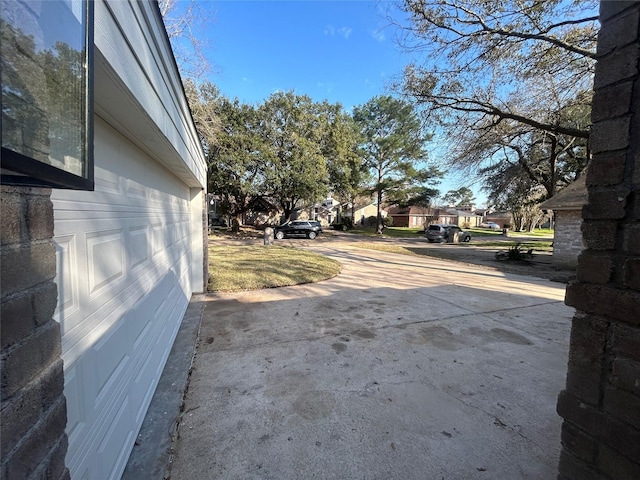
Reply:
x=491, y=225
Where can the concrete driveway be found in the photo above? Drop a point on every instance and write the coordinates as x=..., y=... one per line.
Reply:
x=399, y=368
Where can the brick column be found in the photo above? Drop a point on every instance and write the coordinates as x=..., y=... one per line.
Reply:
x=601, y=402
x=33, y=414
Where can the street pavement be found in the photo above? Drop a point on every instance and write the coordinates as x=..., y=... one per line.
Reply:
x=398, y=368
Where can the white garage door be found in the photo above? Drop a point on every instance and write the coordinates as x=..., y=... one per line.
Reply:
x=124, y=284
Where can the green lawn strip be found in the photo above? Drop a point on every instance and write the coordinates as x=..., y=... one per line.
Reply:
x=394, y=232
x=251, y=267
x=413, y=232
x=425, y=251
x=537, y=245
x=485, y=232
x=381, y=247
x=411, y=251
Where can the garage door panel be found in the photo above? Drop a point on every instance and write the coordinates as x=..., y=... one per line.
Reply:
x=136, y=190
x=106, y=260
x=76, y=411
x=113, y=450
x=124, y=277
x=138, y=239
x=107, y=181
x=65, y=265
x=145, y=385
x=111, y=356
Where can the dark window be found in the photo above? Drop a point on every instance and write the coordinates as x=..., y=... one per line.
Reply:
x=46, y=50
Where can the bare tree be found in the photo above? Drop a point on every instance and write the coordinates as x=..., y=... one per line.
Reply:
x=184, y=22
x=491, y=62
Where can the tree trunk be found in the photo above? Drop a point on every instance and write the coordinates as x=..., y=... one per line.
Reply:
x=380, y=225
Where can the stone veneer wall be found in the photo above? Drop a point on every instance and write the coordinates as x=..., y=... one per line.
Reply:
x=33, y=413
x=601, y=402
x=567, y=241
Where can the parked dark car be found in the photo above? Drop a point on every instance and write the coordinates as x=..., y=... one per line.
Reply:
x=446, y=233
x=298, y=228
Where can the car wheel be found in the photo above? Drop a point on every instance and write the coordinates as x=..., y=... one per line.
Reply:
x=312, y=235
x=279, y=235
x=467, y=239
x=431, y=240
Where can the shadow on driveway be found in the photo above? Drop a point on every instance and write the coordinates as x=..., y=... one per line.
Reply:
x=399, y=368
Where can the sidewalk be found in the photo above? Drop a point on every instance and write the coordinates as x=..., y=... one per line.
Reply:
x=399, y=368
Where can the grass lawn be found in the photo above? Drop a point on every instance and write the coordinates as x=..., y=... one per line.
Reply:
x=237, y=268
x=395, y=232
x=539, y=246
x=413, y=232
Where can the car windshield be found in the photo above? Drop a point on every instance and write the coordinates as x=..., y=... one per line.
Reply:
x=434, y=227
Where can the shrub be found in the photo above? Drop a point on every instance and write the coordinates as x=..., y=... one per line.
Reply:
x=515, y=253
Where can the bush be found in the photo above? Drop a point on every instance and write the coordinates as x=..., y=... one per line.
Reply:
x=371, y=221
x=515, y=253
x=387, y=221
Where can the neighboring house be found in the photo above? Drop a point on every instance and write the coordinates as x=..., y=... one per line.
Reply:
x=567, y=208
x=214, y=213
x=421, y=216
x=130, y=253
x=410, y=216
x=464, y=218
x=261, y=212
x=331, y=211
x=501, y=218
x=362, y=210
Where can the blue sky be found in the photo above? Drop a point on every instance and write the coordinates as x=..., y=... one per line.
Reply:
x=344, y=51
x=341, y=51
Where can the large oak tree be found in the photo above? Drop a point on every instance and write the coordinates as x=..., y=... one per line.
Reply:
x=509, y=83
x=292, y=127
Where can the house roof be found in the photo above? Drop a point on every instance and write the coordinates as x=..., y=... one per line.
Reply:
x=460, y=213
x=261, y=204
x=413, y=210
x=572, y=197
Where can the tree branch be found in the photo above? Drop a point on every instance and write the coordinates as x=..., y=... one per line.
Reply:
x=475, y=106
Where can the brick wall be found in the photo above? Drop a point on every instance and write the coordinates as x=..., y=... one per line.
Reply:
x=601, y=402
x=33, y=414
x=567, y=242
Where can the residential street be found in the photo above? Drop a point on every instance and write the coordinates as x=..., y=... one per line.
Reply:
x=399, y=368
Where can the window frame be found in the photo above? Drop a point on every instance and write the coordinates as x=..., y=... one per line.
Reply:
x=21, y=170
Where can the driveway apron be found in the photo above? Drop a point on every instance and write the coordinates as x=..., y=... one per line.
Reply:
x=399, y=368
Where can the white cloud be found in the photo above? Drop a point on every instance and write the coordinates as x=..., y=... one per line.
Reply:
x=345, y=32
x=331, y=31
x=326, y=86
x=378, y=35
